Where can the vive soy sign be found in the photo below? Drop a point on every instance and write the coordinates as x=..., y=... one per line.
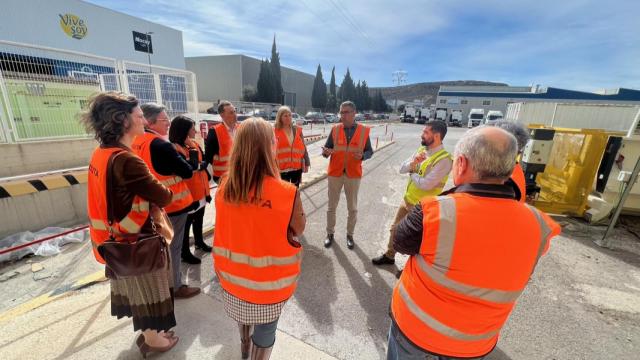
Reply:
x=142, y=42
x=73, y=26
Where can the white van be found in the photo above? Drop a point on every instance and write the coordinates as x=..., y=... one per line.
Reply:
x=493, y=116
x=476, y=117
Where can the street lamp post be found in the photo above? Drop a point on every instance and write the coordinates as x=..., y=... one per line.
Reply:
x=148, y=33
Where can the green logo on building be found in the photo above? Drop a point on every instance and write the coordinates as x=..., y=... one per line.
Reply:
x=73, y=26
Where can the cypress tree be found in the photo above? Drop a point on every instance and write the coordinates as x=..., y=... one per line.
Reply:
x=278, y=92
x=347, y=88
x=319, y=92
x=265, y=86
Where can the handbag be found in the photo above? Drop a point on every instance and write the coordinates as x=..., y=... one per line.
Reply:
x=139, y=253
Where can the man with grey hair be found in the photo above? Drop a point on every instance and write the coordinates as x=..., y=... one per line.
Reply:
x=170, y=168
x=347, y=146
x=472, y=251
x=517, y=179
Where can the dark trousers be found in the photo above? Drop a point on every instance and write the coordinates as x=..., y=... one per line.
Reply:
x=294, y=177
x=196, y=219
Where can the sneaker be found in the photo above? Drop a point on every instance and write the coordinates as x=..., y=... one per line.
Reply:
x=328, y=240
x=383, y=260
x=185, y=292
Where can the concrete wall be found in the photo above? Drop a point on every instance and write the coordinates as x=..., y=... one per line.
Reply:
x=218, y=77
x=29, y=158
x=108, y=33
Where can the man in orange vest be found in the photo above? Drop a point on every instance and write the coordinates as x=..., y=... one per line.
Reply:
x=348, y=145
x=166, y=164
x=217, y=147
x=472, y=252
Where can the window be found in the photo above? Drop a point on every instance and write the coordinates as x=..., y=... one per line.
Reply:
x=486, y=102
x=464, y=102
x=443, y=101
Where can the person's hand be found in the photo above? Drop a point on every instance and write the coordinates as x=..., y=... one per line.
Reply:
x=358, y=155
x=203, y=165
x=420, y=157
x=326, y=152
x=305, y=169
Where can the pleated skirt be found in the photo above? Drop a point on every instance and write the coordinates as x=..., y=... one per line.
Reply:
x=147, y=298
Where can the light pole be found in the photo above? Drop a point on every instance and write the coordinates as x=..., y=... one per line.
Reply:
x=399, y=77
x=148, y=33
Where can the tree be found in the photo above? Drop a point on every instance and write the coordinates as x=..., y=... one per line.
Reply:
x=332, y=99
x=332, y=84
x=265, y=83
x=366, y=99
x=347, y=90
x=278, y=92
x=249, y=93
x=319, y=92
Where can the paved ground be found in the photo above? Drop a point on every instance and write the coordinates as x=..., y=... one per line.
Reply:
x=583, y=302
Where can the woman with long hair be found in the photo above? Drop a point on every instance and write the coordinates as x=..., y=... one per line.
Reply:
x=291, y=153
x=255, y=256
x=182, y=133
x=125, y=203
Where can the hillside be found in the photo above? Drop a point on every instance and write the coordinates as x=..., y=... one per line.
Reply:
x=426, y=90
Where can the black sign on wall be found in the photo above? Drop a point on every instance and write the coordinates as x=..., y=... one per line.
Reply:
x=142, y=42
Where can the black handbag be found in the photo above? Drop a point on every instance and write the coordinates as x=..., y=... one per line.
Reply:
x=137, y=254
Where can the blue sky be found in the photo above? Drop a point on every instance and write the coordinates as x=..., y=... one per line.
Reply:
x=576, y=44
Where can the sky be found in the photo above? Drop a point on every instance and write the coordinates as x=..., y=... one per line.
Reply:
x=577, y=44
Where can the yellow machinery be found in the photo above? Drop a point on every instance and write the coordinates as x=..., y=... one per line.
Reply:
x=575, y=162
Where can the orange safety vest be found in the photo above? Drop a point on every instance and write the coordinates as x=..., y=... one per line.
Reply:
x=181, y=195
x=342, y=160
x=99, y=228
x=456, y=294
x=225, y=142
x=518, y=178
x=290, y=156
x=251, y=255
x=198, y=184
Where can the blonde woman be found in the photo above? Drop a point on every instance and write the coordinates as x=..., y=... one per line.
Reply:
x=255, y=257
x=292, y=155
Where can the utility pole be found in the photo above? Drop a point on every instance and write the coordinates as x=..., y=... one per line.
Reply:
x=398, y=77
x=148, y=33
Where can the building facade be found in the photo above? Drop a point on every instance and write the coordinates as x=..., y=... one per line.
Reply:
x=498, y=98
x=224, y=77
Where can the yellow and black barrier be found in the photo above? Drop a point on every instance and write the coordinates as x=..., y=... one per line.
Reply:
x=43, y=183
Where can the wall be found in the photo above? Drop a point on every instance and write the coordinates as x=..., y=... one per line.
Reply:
x=35, y=157
x=219, y=77
x=108, y=33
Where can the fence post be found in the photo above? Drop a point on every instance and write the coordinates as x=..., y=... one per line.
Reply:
x=377, y=142
x=391, y=136
x=9, y=125
x=385, y=128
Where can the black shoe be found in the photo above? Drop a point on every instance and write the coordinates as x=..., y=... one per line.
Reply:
x=399, y=273
x=328, y=240
x=204, y=247
x=189, y=258
x=350, y=243
x=383, y=260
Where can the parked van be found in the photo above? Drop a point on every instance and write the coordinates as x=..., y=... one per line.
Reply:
x=476, y=117
x=493, y=116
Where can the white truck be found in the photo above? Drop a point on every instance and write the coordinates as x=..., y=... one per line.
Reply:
x=410, y=114
x=441, y=114
x=456, y=118
x=476, y=117
x=493, y=116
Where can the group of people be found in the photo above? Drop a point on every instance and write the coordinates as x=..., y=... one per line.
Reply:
x=472, y=248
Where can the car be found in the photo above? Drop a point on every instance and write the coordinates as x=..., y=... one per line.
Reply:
x=331, y=118
x=241, y=117
x=299, y=120
x=368, y=116
x=359, y=117
x=315, y=117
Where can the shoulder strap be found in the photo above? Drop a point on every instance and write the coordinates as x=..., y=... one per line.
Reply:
x=110, y=217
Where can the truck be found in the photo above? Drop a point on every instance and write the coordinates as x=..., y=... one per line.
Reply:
x=455, y=119
x=441, y=114
x=493, y=116
x=410, y=113
x=476, y=117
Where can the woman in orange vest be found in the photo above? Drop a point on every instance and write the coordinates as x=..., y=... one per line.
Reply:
x=291, y=153
x=182, y=133
x=121, y=180
x=255, y=257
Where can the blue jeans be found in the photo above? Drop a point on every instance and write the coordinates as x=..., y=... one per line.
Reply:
x=264, y=335
x=400, y=348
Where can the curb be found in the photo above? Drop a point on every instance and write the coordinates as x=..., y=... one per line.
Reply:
x=43, y=183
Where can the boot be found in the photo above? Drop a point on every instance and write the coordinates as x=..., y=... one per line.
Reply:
x=259, y=353
x=245, y=339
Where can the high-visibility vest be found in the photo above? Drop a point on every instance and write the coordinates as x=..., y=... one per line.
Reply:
x=181, y=194
x=225, y=142
x=198, y=184
x=251, y=255
x=476, y=257
x=518, y=178
x=342, y=160
x=413, y=194
x=290, y=156
x=99, y=228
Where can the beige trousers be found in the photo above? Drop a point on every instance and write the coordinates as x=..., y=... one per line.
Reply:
x=403, y=210
x=351, y=187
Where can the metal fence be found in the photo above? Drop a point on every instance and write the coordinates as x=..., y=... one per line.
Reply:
x=44, y=90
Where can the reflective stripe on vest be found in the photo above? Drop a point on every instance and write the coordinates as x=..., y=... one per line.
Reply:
x=342, y=160
x=220, y=163
x=279, y=284
x=198, y=184
x=289, y=156
x=413, y=194
x=181, y=195
x=259, y=262
x=99, y=228
x=440, y=312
